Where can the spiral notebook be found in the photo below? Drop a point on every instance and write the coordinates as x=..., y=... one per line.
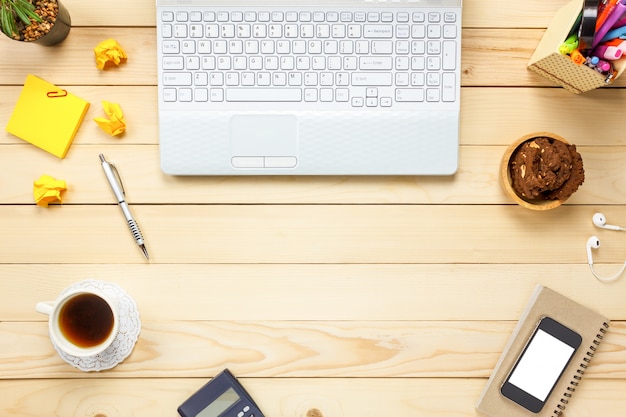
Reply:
x=545, y=302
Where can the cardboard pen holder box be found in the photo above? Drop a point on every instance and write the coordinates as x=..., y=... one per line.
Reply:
x=559, y=68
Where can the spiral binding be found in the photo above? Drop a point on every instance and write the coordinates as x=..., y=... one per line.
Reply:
x=582, y=367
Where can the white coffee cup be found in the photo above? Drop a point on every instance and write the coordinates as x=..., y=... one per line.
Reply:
x=82, y=322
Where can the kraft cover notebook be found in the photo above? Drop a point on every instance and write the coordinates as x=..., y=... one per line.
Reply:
x=47, y=116
x=544, y=302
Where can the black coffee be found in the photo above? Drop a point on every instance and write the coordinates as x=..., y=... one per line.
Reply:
x=86, y=320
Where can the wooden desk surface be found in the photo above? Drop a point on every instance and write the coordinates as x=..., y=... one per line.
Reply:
x=354, y=296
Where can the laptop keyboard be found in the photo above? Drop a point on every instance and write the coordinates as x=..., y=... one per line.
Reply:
x=350, y=58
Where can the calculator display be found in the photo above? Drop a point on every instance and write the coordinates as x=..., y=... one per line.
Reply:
x=221, y=404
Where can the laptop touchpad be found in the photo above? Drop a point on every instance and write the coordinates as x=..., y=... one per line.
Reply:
x=264, y=135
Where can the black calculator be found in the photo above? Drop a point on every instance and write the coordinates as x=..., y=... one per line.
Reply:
x=222, y=396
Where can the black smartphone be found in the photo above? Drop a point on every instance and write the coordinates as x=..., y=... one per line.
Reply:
x=540, y=365
x=222, y=396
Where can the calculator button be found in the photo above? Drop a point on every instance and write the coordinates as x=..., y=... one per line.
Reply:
x=246, y=409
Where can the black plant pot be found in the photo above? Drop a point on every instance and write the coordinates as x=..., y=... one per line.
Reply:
x=58, y=31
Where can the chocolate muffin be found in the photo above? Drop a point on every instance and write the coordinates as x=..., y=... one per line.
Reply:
x=546, y=169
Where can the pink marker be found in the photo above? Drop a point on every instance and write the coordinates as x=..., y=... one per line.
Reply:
x=608, y=52
x=603, y=66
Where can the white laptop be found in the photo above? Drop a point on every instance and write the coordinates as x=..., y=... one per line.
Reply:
x=318, y=87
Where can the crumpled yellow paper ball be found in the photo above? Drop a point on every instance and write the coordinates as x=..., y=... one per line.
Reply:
x=47, y=190
x=115, y=124
x=109, y=53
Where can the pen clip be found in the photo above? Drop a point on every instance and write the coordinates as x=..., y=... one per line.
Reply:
x=117, y=177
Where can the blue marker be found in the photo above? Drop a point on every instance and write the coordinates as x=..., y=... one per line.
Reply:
x=614, y=34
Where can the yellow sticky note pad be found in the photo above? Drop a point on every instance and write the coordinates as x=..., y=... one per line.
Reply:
x=47, y=116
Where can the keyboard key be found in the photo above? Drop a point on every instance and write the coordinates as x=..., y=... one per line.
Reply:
x=217, y=95
x=180, y=31
x=169, y=94
x=386, y=17
x=201, y=94
x=184, y=94
x=310, y=94
x=176, y=78
x=173, y=63
x=449, y=55
x=434, y=31
x=449, y=32
x=382, y=47
x=432, y=94
x=211, y=31
x=373, y=17
x=448, y=87
x=264, y=94
x=409, y=94
x=375, y=63
x=342, y=95
x=166, y=31
x=357, y=101
x=418, y=17
x=403, y=31
x=326, y=95
x=236, y=16
x=377, y=31
x=371, y=78
x=449, y=17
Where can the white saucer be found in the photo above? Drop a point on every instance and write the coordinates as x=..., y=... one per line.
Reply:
x=123, y=345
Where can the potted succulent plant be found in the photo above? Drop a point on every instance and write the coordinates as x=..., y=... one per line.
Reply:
x=46, y=22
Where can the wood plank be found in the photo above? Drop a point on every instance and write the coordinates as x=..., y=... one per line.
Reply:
x=282, y=396
x=487, y=59
x=368, y=292
x=349, y=349
x=489, y=116
x=303, y=234
x=476, y=13
x=477, y=181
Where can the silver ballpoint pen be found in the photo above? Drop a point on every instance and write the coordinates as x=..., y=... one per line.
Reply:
x=118, y=189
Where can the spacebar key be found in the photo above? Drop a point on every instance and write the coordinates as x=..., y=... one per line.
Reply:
x=264, y=94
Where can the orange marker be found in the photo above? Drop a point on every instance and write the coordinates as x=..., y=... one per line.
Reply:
x=577, y=57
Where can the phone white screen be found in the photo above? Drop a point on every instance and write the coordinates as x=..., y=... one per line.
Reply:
x=542, y=364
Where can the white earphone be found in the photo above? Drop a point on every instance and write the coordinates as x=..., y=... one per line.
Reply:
x=600, y=221
x=594, y=243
